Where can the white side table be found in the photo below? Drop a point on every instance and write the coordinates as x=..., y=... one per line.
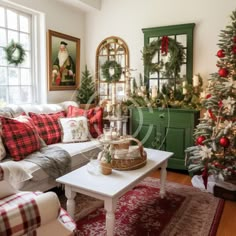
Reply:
x=119, y=122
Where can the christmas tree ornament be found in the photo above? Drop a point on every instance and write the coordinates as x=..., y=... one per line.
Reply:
x=220, y=103
x=234, y=50
x=223, y=72
x=224, y=142
x=208, y=96
x=221, y=53
x=200, y=140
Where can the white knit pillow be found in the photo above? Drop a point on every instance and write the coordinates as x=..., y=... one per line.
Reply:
x=74, y=129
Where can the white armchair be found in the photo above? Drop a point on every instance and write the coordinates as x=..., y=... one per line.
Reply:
x=32, y=213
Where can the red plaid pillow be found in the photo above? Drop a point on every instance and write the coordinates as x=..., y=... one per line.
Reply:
x=94, y=116
x=48, y=126
x=19, y=136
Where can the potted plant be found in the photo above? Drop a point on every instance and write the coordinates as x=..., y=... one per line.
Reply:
x=105, y=158
x=86, y=92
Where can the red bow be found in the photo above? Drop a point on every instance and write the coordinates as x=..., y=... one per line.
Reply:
x=164, y=45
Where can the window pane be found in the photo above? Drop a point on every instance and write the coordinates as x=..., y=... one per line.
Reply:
x=11, y=20
x=3, y=60
x=27, y=61
x=3, y=76
x=25, y=77
x=24, y=24
x=3, y=94
x=12, y=35
x=2, y=17
x=25, y=41
x=13, y=76
x=14, y=94
x=3, y=38
x=26, y=95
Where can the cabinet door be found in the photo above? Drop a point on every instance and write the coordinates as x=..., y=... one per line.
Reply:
x=148, y=134
x=176, y=140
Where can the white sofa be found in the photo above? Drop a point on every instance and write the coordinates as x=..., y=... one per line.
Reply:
x=28, y=176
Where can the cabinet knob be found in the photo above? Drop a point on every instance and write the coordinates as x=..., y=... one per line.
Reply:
x=162, y=115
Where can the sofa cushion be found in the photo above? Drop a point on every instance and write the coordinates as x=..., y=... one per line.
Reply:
x=94, y=116
x=20, y=136
x=74, y=129
x=48, y=126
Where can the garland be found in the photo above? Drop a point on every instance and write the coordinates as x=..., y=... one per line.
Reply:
x=106, y=71
x=15, y=53
x=171, y=68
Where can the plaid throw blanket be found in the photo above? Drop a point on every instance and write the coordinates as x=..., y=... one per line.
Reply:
x=54, y=160
x=19, y=214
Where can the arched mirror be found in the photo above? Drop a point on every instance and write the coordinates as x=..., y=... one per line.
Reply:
x=112, y=49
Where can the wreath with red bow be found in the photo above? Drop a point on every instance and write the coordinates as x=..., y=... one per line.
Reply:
x=165, y=47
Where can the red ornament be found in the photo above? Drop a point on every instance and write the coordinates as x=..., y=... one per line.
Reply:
x=223, y=72
x=208, y=96
x=213, y=117
x=200, y=140
x=220, y=103
x=234, y=50
x=221, y=53
x=234, y=39
x=224, y=142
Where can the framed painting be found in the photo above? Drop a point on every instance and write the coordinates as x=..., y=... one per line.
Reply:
x=63, y=61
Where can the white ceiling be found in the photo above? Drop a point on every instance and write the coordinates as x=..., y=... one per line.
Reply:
x=84, y=5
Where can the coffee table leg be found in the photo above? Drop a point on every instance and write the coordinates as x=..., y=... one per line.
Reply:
x=163, y=179
x=70, y=204
x=110, y=207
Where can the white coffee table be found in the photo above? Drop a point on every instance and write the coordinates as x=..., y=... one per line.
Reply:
x=110, y=188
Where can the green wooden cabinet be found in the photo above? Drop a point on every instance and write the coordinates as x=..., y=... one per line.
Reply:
x=165, y=129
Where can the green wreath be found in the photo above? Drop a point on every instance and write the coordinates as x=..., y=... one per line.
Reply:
x=106, y=71
x=15, y=53
x=176, y=55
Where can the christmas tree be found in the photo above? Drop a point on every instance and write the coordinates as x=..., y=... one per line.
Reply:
x=86, y=91
x=215, y=135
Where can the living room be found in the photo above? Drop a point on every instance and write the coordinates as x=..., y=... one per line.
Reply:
x=89, y=22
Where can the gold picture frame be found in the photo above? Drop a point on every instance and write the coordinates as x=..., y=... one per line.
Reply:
x=63, y=69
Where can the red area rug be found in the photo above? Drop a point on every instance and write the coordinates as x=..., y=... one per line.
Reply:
x=141, y=212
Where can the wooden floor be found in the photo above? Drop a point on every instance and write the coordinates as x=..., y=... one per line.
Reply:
x=227, y=226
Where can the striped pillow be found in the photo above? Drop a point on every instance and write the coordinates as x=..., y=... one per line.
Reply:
x=48, y=126
x=19, y=136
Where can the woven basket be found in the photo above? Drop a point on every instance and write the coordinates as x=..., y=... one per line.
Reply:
x=127, y=163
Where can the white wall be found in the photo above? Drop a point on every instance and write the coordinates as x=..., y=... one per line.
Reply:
x=63, y=19
x=126, y=18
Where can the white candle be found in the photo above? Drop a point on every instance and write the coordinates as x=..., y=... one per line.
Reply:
x=154, y=92
x=109, y=106
x=132, y=85
x=195, y=81
x=184, y=89
x=113, y=94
